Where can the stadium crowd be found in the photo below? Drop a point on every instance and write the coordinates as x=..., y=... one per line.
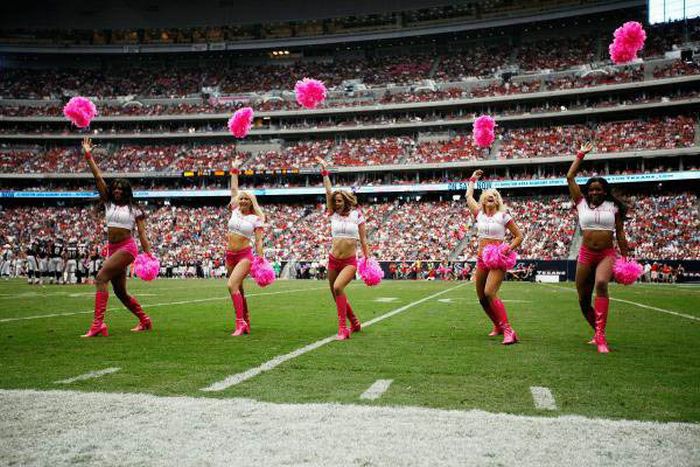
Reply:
x=610, y=137
x=660, y=227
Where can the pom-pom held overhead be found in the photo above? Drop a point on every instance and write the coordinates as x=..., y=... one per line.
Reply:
x=80, y=111
x=261, y=271
x=240, y=124
x=484, y=131
x=370, y=271
x=310, y=92
x=484, y=122
x=484, y=139
x=628, y=39
x=627, y=272
x=620, y=55
x=631, y=35
x=499, y=256
x=146, y=267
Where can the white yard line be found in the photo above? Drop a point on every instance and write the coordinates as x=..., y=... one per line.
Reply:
x=543, y=398
x=376, y=390
x=153, y=305
x=90, y=375
x=275, y=362
x=72, y=427
x=648, y=307
x=641, y=305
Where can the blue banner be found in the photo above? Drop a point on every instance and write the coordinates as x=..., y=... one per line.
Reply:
x=416, y=188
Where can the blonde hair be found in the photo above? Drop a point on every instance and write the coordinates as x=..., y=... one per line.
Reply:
x=254, y=201
x=349, y=198
x=499, y=201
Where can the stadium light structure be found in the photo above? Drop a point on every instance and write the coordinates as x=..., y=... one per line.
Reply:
x=665, y=11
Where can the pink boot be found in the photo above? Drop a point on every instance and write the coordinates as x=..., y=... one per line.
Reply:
x=98, y=327
x=499, y=310
x=355, y=325
x=246, y=314
x=497, y=331
x=134, y=306
x=241, y=324
x=601, y=306
x=341, y=304
x=241, y=328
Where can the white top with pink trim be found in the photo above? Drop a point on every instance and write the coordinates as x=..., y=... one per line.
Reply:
x=493, y=226
x=347, y=226
x=599, y=218
x=121, y=216
x=244, y=225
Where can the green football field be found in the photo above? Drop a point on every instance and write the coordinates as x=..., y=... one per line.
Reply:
x=430, y=340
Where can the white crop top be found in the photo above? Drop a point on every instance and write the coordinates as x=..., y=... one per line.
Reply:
x=244, y=225
x=493, y=226
x=600, y=218
x=123, y=217
x=347, y=226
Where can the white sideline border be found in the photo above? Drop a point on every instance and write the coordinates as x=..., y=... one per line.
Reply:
x=154, y=305
x=70, y=427
x=278, y=360
x=641, y=305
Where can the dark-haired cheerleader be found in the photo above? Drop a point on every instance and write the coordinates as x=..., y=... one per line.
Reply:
x=601, y=217
x=123, y=219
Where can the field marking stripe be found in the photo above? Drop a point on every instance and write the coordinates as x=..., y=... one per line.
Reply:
x=376, y=390
x=146, y=305
x=90, y=375
x=641, y=305
x=675, y=313
x=544, y=400
x=275, y=362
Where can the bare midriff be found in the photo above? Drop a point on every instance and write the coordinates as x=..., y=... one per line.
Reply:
x=344, y=248
x=236, y=242
x=117, y=234
x=598, y=240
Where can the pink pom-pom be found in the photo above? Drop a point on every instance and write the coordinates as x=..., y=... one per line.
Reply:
x=146, y=267
x=370, y=271
x=499, y=256
x=619, y=54
x=310, y=92
x=484, y=122
x=484, y=131
x=627, y=272
x=484, y=138
x=631, y=35
x=261, y=271
x=240, y=124
x=628, y=40
x=80, y=111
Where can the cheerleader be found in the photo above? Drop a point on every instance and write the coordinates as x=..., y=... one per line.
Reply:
x=123, y=219
x=244, y=226
x=492, y=222
x=601, y=217
x=347, y=227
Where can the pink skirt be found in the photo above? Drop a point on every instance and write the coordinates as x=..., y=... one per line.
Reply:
x=589, y=257
x=481, y=265
x=235, y=257
x=128, y=245
x=335, y=264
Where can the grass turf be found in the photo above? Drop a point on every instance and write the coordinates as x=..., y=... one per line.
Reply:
x=436, y=352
